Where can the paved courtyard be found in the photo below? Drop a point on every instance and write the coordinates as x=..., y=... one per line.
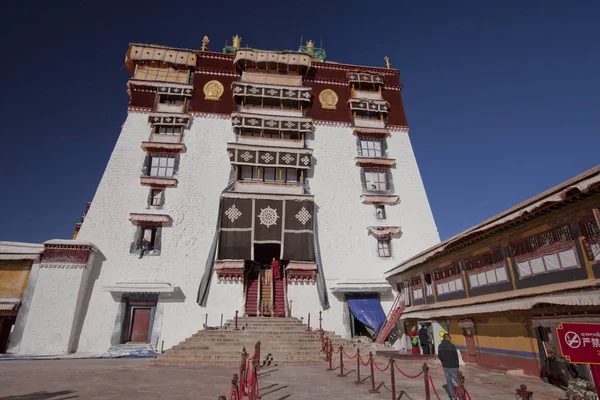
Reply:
x=134, y=379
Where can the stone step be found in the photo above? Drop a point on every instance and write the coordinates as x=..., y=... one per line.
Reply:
x=217, y=357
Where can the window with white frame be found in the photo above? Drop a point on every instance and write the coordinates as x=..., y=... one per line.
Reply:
x=383, y=247
x=156, y=197
x=162, y=166
x=417, y=288
x=167, y=129
x=371, y=148
x=376, y=180
x=448, y=280
x=486, y=269
x=549, y=251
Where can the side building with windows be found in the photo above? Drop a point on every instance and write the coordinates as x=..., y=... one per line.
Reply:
x=231, y=164
x=503, y=287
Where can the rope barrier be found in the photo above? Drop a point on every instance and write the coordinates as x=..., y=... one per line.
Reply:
x=351, y=358
x=365, y=364
x=406, y=375
x=379, y=369
x=434, y=389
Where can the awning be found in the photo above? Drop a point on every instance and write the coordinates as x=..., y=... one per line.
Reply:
x=368, y=311
x=158, y=53
x=370, y=132
x=362, y=287
x=162, y=147
x=299, y=265
x=19, y=257
x=251, y=58
x=140, y=287
x=156, y=218
x=168, y=88
x=571, y=299
x=374, y=162
x=8, y=306
x=271, y=122
x=272, y=91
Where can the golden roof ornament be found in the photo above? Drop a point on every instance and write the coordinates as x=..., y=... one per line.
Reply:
x=387, y=62
x=310, y=46
x=237, y=42
x=205, y=42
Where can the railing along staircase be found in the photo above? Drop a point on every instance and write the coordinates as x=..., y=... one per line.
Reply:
x=392, y=317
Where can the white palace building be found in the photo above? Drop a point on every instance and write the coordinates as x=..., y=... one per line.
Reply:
x=227, y=161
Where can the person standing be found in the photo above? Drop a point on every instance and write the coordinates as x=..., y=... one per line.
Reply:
x=414, y=340
x=424, y=339
x=448, y=355
x=275, y=269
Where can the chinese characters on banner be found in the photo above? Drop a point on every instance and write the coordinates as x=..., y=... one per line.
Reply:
x=579, y=343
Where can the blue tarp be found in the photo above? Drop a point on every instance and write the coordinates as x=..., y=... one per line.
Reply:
x=368, y=311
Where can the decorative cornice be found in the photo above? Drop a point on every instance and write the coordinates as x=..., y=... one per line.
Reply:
x=231, y=271
x=207, y=71
x=65, y=265
x=383, y=231
x=398, y=128
x=328, y=81
x=168, y=119
x=355, y=68
x=216, y=56
x=379, y=199
x=332, y=123
x=211, y=115
x=137, y=218
x=143, y=110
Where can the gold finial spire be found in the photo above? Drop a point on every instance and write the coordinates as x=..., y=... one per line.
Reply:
x=205, y=42
x=387, y=62
x=237, y=42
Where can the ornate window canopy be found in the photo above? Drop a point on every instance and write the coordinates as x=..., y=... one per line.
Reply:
x=272, y=91
x=168, y=119
x=162, y=148
x=371, y=132
x=158, y=181
x=375, y=162
x=270, y=122
x=141, y=52
x=280, y=60
x=379, y=199
x=369, y=105
x=384, y=232
x=269, y=156
x=301, y=272
x=155, y=219
x=365, y=78
x=231, y=271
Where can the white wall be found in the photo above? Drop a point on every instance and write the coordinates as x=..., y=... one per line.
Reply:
x=52, y=313
x=193, y=206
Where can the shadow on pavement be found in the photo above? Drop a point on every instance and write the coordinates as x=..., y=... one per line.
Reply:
x=42, y=396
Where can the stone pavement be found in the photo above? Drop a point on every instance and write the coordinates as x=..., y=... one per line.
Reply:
x=133, y=379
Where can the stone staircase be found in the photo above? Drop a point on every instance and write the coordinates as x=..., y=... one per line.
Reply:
x=284, y=341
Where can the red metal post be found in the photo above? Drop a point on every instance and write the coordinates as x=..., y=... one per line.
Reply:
x=393, y=377
x=341, y=375
x=236, y=320
x=358, y=382
x=373, y=390
x=330, y=356
x=461, y=386
x=308, y=329
x=426, y=378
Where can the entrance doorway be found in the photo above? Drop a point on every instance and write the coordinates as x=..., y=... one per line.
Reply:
x=264, y=294
x=6, y=324
x=139, y=318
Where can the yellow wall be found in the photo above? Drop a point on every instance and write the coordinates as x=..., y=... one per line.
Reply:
x=457, y=333
x=502, y=333
x=13, y=278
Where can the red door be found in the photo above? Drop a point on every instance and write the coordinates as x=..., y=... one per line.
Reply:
x=140, y=325
x=471, y=350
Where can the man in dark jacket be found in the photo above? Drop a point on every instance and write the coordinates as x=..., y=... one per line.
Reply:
x=448, y=355
x=424, y=340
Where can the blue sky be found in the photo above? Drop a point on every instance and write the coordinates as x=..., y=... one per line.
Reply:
x=502, y=98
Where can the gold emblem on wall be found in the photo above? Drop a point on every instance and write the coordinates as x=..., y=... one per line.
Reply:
x=213, y=91
x=328, y=99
